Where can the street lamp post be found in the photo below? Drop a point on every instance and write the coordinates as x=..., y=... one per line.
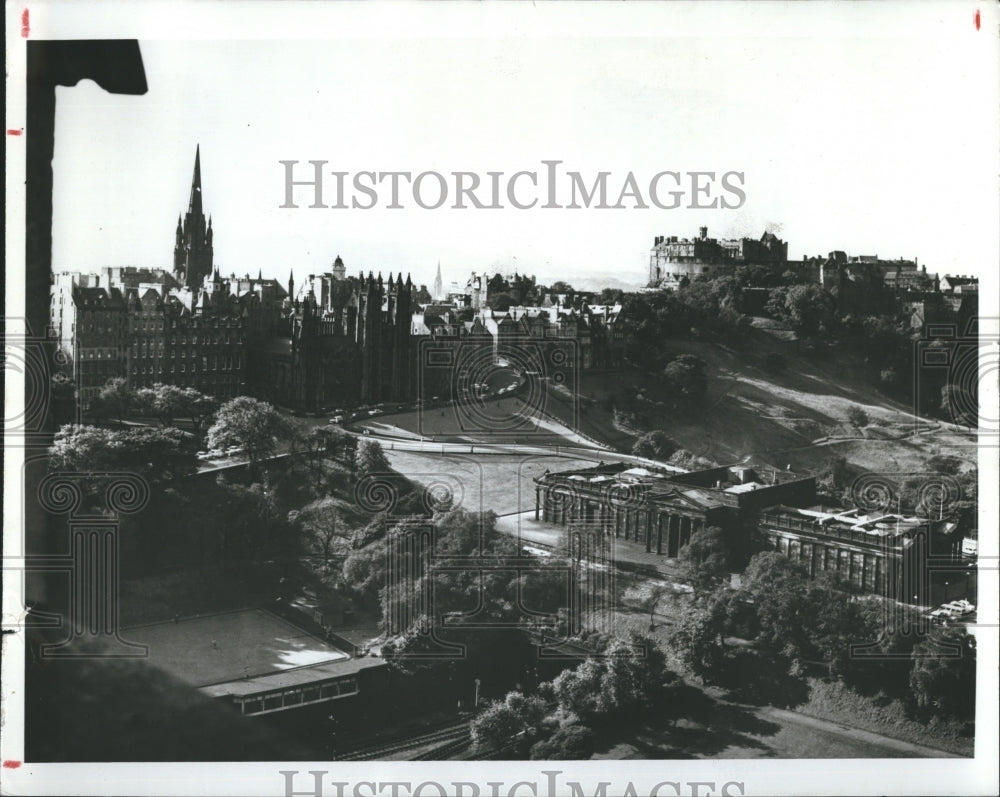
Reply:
x=476, y=702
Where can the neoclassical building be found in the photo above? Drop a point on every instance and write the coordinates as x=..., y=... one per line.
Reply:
x=878, y=552
x=661, y=509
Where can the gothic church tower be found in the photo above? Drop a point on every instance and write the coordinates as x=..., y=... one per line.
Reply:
x=193, y=244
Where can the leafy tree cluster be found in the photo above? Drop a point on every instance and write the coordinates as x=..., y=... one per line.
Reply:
x=700, y=307
x=684, y=382
x=808, y=309
x=157, y=455
x=627, y=681
x=254, y=426
x=655, y=445
x=166, y=403
x=794, y=622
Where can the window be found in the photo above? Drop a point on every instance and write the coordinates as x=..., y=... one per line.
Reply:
x=272, y=702
x=311, y=693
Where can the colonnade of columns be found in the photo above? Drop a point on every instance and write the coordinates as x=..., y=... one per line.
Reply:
x=657, y=528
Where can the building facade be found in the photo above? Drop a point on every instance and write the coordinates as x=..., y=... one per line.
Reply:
x=673, y=260
x=330, y=340
x=767, y=509
x=660, y=509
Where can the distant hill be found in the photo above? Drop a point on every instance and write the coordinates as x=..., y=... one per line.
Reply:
x=596, y=282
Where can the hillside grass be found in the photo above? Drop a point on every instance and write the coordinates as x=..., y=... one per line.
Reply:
x=835, y=702
x=796, y=417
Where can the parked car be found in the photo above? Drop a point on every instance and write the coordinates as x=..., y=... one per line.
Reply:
x=203, y=455
x=337, y=419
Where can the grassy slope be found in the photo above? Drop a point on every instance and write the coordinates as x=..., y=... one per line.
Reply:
x=776, y=416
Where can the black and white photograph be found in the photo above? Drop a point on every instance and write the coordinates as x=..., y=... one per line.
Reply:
x=501, y=398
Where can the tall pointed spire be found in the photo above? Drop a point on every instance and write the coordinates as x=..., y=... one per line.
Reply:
x=194, y=205
x=438, y=285
x=193, y=247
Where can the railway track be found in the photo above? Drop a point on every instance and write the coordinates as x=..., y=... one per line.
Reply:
x=454, y=734
x=446, y=750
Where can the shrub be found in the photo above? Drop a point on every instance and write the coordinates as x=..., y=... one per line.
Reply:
x=570, y=743
x=858, y=417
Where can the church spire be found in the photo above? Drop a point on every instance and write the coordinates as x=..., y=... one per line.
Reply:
x=194, y=205
x=438, y=285
x=193, y=247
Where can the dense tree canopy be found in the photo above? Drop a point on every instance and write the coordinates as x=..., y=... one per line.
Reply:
x=656, y=445
x=255, y=426
x=168, y=402
x=158, y=455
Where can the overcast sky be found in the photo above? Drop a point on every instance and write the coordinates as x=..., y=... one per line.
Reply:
x=868, y=144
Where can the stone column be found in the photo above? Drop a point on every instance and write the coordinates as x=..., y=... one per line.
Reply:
x=538, y=501
x=685, y=528
x=671, y=551
x=92, y=561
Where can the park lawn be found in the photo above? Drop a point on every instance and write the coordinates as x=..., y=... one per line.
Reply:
x=204, y=590
x=498, y=483
x=221, y=647
x=506, y=420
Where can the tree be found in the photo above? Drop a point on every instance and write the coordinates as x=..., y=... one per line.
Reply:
x=315, y=445
x=704, y=561
x=502, y=302
x=777, y=586
x=370, y=458
x=655, y=445
x=809, y=309
x=255, y=426
x=685, y=381
x=658, y=590
x=365, y=570
x=322, y=526
x=630, y=676
x=158, y=455
x=698, y=639
x=568, y=743
x=503, y=721
x=943, y=678
x=857, y=416
x=116, y=398
x=634, y=674
x=168, y=402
